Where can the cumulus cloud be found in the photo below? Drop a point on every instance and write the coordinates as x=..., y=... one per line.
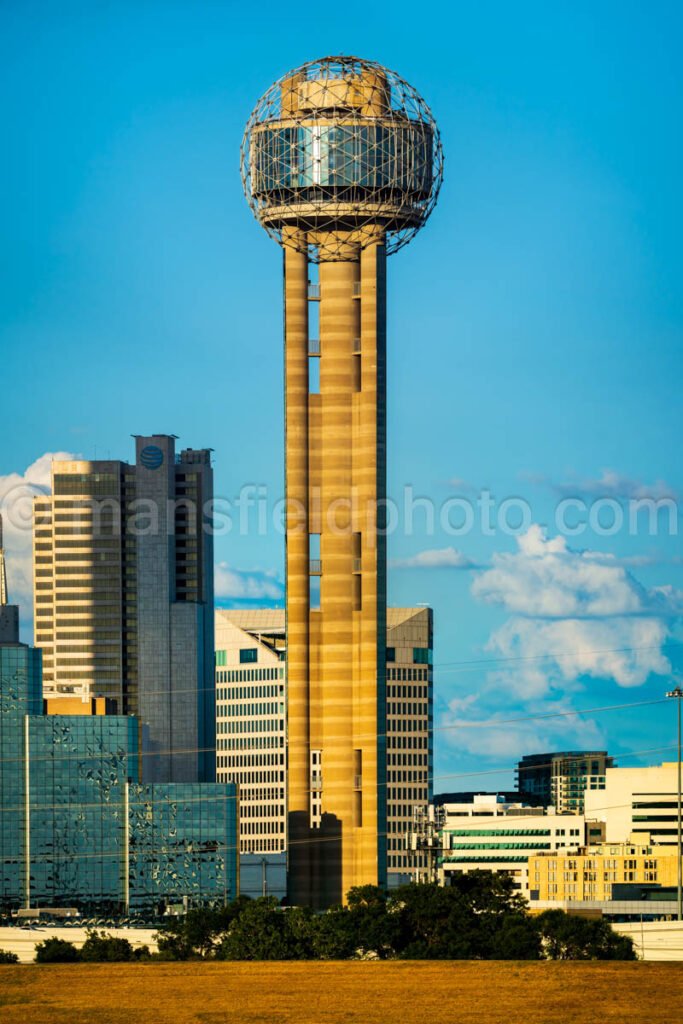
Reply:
x=17, y=491
x=435, y=558
x=573, y=615
x=238, y=588
x=546, y=578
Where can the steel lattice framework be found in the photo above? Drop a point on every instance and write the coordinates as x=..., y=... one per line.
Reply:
x=338, y=153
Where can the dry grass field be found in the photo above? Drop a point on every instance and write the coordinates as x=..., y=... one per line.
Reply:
x=353, y=993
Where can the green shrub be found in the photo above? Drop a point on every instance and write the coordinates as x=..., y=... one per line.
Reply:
x=99, y=947
x=569, y=937
x=56, y=951
x=8, y=958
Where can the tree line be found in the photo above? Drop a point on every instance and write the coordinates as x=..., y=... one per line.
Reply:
x=479, y=917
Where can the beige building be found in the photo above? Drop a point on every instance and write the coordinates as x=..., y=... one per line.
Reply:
x=409, y=731
x=490, y=834
x=640, y=801
x=590, y=873
x=251, y=729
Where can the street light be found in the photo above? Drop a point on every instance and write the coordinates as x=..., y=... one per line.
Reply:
x=678, y=695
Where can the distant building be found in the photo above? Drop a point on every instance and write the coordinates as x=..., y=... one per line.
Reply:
x=468, y=796
x=560, y=779
x=492, y=835
x=252, y=727
x=123, y=597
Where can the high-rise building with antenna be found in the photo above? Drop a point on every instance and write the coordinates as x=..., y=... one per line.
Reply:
x=123, y=596
x=341, y=164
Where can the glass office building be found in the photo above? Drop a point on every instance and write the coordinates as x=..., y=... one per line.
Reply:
x=78, y=828
x=182, y=845
x=20, y=697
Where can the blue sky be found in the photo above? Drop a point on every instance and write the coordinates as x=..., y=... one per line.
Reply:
x=535, y=324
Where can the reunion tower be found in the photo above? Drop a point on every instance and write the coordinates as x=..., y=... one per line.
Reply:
x=341, y=164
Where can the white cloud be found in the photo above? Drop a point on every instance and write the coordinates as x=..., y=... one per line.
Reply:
x=17, y=491
x=436, y=558
x=247, y=586
x=546, y=578
x=572, y=614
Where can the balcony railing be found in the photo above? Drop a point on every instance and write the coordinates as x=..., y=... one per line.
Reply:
x=314, y=346
x=315, y=567
x=356, y=346
x=313, y=291
x=358, y=782
x=357, y=565
x=356, y=289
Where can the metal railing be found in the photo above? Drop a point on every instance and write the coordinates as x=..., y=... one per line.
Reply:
x=315, y=567
x=314, y=346
x=313, y=290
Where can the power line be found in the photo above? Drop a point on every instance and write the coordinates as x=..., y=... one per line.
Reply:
x=180, y=751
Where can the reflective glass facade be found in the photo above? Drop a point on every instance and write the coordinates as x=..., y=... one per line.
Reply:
x=77, y=828
x=183, y=844
x=20, y=695
x=395, y=157
x=79, y=767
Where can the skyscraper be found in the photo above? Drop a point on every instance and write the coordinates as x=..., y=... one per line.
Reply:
x=123, y=597
x=342, y=164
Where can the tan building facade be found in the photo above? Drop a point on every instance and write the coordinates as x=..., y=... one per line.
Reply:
x=591, y=873
x=251, y=725
x=336, y=575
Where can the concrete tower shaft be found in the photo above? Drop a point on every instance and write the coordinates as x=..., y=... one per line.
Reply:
x=336, y=481
x=342, y=164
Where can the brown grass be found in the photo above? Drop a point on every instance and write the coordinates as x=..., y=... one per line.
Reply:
x=353, y=993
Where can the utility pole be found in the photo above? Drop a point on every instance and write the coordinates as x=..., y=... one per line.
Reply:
x=678, y=695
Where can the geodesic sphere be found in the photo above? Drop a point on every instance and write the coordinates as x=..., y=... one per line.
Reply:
x=339, y=153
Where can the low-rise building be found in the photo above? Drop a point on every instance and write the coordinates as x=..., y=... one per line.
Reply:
x=595, y=872
x=490, y=834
